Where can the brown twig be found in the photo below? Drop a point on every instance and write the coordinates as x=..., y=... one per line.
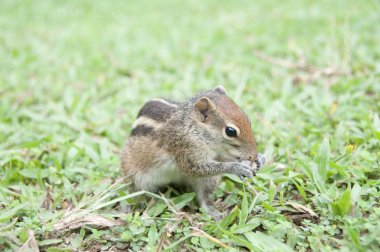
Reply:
x=199, y=232
x=313, y=72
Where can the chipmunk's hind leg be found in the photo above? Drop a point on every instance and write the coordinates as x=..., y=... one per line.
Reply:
x=204, y=187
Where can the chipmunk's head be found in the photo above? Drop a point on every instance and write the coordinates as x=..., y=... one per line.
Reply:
x=226, y=127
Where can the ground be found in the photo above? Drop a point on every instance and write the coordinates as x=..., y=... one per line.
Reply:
x=73, y=75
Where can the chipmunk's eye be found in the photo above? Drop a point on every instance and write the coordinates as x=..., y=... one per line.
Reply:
x=231, y=132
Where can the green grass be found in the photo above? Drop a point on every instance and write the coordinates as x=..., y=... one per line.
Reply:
x=73, y=75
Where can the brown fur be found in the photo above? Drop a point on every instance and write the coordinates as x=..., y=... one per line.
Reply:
x=231, y=111
x=184, y=143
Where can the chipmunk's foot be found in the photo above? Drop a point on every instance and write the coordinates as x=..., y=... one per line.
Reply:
x=216, y=215
x=211, y=211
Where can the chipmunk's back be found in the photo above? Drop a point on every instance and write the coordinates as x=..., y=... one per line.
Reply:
x=158, y=109
x=152, y=115
x=142, y=153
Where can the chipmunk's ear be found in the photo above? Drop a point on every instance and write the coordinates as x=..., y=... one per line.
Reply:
x=221, y=90
x=204, y=105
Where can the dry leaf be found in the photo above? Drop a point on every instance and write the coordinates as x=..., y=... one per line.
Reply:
x=302, y=208
x=48, y=201
x=73, y=222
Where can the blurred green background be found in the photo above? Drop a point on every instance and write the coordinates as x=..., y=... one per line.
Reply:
x=73, y=75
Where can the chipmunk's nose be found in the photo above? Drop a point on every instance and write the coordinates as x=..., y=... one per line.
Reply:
x=260, y=161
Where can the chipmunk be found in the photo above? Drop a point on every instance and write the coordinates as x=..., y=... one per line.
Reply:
x=190, y=144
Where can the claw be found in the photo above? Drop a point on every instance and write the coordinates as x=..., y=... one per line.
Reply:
x=245, y=176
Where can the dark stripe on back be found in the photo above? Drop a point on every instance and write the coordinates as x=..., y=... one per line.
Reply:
x=157, y=111
x=142, y=130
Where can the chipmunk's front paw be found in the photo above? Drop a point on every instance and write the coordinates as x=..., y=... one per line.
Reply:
x=243, y=171
x=256, y=165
